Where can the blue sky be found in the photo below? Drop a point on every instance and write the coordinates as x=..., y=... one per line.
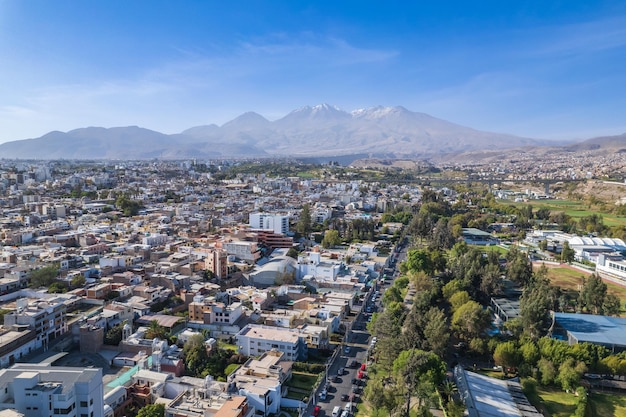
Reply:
x=544, y=69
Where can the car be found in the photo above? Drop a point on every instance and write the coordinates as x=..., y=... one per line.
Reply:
x=344, y=413
x=340, y=372
x=354, y=381
x=316, y=410
x=344, y=397
x=323, y=395
x=335, y=379
x=356, y=389
x=354, y=364
x=346, y=349
x=363, y=367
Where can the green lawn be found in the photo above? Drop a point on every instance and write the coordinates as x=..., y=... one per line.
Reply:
x=302, y=380
x=577, y=209
x=553, y=402
x=607, y=405
x=570, y=279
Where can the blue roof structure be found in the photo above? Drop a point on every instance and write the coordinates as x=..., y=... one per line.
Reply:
x=602, y=330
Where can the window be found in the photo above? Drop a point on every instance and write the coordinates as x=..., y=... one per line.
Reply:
x=83, y=404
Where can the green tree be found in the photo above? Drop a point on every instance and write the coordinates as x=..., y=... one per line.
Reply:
x=303, y=227
x=470, y=320
x=436, y=331
x=114, y=335
x=420, y=372
x=78, y=281
x=195, y=355
x=152, y=410
x=419, y=260
x=375, y=394
x=156, y=330
x=535, y=305
x=570, y=373
x=593, y=294
x=547, y=371
x=458, y=299
x=507, y=355
x=331, y=239
x=43, y=277
x=567, y=253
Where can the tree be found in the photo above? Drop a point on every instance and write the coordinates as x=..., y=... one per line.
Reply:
x=196, y=356
x=43, y=277
x=437, y=330
x=420, y=372
x=114, y=335
x=547, y=371
x=519, y=268
x=567, y=253
x=506, y=355
x=470, y=320
x=156, y=330
x=303, y=227
x=152, y=410
x=535, y=306
x=375, y=394
x=128, y=206
x=570, y=373
x=331, y=239
x=78, y=281
x=458, y=299
x=419, y=260
x=593, y=294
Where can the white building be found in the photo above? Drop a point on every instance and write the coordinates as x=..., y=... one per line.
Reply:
x=37, y=390
x=611, y=267
x=265, y=221
x=254, y=340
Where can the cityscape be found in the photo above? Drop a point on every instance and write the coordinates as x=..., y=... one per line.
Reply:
x=312, y=209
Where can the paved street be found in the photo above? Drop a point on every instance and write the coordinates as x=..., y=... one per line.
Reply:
x=358, y=340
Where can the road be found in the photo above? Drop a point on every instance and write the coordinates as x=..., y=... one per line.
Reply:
x=358, y=339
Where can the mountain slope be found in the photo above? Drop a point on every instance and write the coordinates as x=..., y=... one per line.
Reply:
x=321, y=130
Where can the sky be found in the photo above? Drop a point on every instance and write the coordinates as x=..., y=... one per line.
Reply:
x=542, y=69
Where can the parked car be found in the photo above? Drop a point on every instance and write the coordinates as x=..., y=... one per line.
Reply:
x=316, y=410
x=346, y=349
x=340, y=371
x=323, y=395
x=354, y=364
x=344, y=397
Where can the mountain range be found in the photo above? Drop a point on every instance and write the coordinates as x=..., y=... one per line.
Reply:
x=321, y=130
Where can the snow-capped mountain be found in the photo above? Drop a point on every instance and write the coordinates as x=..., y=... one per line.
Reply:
x=321, y=130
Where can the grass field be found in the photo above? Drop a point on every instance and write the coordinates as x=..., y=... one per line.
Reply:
x=607, y=405
x=576, y=209
x=553, y=402
x=570, y=279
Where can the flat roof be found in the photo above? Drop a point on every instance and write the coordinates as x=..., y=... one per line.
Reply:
x=603, y=330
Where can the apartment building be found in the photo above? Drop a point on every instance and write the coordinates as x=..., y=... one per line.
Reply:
x=209, y=311
x=254, y=340
x=37, y=390
x=266, y=221
x=46, y=318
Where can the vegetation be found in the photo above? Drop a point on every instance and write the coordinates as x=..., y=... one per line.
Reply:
x=43, y=277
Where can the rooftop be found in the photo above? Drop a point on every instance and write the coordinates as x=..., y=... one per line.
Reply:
x=604, y=330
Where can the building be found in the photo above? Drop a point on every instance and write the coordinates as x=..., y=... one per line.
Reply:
x=209, y=311
x=473, y=236
x=613, y=267
x=607, y=331
x=216, y=261
x=261, y=381
x=45, y=318
x=265, y=221
x=254, y=340
x=38, y=390
x=491, y=397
